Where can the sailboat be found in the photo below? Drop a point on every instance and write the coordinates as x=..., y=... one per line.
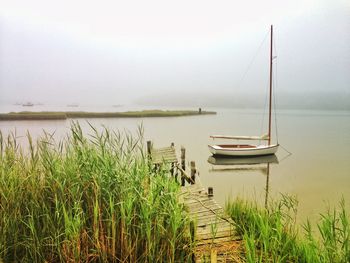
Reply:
x=248, y=149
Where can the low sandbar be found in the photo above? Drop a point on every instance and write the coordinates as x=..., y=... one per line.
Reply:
x=52, y=115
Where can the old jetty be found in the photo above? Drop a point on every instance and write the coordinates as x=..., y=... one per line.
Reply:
x=213, y=231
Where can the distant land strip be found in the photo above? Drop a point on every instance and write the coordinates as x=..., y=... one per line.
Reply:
x=53, y=115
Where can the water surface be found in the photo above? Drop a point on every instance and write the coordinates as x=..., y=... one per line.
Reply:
x=317, y=172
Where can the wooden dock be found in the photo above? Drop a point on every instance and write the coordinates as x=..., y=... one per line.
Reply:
x=214, y=233
x=216, y=240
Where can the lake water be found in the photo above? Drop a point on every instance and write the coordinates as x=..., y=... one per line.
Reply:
x=317, y=171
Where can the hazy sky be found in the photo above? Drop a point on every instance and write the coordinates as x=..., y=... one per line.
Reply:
x=116, y=52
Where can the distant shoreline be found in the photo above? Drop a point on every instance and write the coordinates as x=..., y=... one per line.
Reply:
x=53, y=115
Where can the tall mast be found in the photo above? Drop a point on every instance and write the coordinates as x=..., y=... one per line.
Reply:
x=270, y=96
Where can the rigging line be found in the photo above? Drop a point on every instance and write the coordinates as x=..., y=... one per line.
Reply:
x=289, y=153
x=252, y=61
x=285, y=157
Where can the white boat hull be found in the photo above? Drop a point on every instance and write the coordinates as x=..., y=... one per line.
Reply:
x=243, y=150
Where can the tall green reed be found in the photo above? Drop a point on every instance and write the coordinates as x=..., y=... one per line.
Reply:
x=88, y=199
x=271, y=235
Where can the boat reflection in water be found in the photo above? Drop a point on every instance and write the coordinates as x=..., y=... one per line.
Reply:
x=224, y=160
x=237, y=164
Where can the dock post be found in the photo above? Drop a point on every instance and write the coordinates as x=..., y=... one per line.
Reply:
x=149, y=148
x=183, y=164
x=193, y=238
x=172, y=169
x=210, y=191
x=193, y=172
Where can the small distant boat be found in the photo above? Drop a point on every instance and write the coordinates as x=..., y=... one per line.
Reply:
x=248, y=149
x=73, y=105
x=28, y=104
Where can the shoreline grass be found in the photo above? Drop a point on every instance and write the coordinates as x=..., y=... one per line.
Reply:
x=271, y=235
x=51, y=115
x=96, y=199
x=88, y=199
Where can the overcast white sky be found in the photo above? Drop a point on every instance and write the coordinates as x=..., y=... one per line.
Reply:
x=119, y=51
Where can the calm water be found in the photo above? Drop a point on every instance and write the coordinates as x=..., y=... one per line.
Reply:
x=317, y=172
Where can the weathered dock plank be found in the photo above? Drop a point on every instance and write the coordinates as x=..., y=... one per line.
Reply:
x=164, y=155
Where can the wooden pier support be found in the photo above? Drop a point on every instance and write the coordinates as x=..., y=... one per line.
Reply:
x=193, y=172
x=149, y=147
x=183, y=164
x=172, y=169
x=210, y=191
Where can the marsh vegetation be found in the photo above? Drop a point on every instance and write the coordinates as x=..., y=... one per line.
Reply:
x=272, y=235
x=95, y=198
x=88, y=199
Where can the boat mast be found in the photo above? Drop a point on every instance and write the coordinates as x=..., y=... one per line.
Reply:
x=270, y=96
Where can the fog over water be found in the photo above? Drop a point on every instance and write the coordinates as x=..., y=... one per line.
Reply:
x=190, y=53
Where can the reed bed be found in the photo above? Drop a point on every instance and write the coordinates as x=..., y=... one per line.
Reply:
x=272, y=235
x=88, y=199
